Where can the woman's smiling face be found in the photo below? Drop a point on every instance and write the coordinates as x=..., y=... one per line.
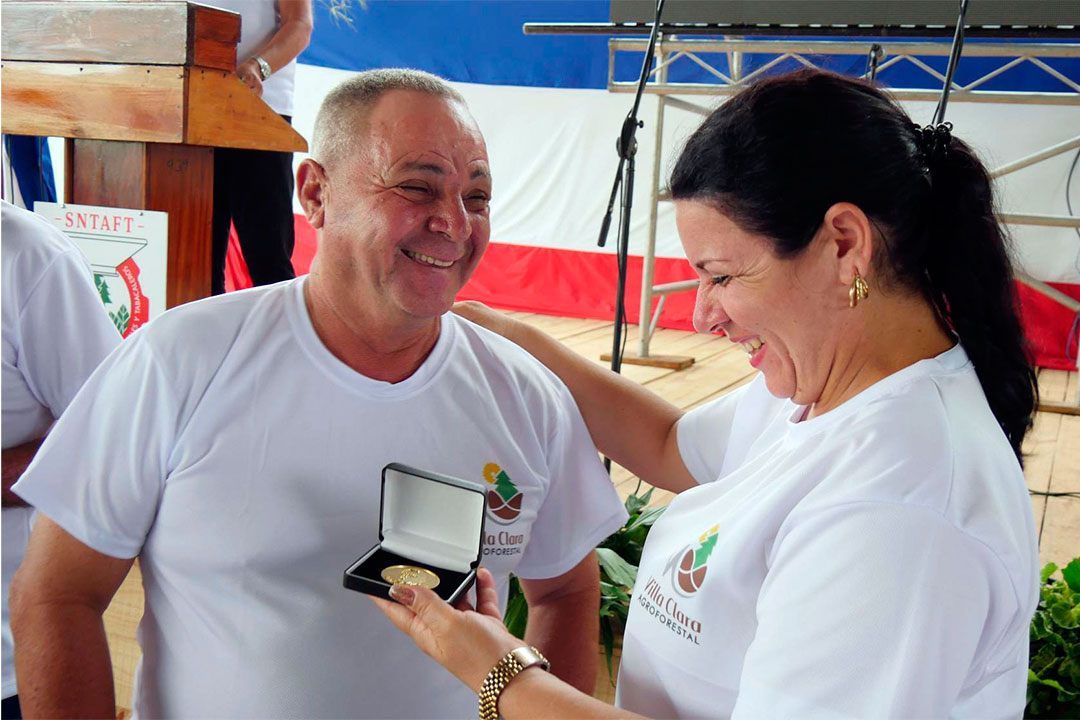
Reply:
x=780, y=310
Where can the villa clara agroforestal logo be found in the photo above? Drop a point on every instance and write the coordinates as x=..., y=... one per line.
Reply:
x=687, y=568
x=504, y=499
x=688, y=573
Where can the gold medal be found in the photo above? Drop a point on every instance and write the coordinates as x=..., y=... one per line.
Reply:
x=410, y=575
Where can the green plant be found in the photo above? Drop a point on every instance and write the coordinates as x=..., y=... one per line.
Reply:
x=619, y=556
x=517, y=610
x=1054, y=668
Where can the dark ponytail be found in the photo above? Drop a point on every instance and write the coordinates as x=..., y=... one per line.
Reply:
x=970, y=280
x=777, y=155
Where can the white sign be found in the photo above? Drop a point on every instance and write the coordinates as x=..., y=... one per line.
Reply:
x=128, y=251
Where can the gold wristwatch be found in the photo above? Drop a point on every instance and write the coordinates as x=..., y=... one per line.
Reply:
x=500, y=676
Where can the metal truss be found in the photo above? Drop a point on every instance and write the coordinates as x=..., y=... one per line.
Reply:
x=671, y=50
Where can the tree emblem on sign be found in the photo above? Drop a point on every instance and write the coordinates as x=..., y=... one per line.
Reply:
x=121, y=318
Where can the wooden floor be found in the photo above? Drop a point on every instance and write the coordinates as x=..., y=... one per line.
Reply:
x=1052, y=449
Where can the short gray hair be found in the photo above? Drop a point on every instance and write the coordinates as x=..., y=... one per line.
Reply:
x=352, y=100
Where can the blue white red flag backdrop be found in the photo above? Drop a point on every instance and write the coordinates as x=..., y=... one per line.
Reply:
x=550, y=124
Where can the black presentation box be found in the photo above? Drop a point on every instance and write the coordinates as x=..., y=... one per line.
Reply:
x=426, y=520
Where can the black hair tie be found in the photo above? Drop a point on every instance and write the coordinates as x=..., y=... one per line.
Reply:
x=932, y=142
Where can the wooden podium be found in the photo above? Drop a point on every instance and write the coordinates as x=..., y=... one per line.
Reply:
x=144, y=92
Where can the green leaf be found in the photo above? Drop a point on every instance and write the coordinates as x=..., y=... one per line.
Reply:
x=1071, y=573
x=1038, y=627
x=517, y=610
x=617, y=569
x=635, y=541
x=120, y=319
x=1048, y=570
x=1043, y=660
x=619, y=541
x=1065, y=616
x=1070, y=669
x=607, y=637
x=1049, y=683
x=634, y=503
x=645, y=519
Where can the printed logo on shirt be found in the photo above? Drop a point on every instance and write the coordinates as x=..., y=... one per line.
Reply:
x=504, y=499
x=688, y=566
x=503, y=507
x=666, y=610
x=686, y=569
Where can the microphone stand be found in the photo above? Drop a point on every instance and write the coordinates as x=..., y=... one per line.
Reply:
x=872, y=60
x=954, y=59
x=624, y=178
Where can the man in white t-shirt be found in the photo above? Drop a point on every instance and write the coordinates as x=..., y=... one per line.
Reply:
x=239, y=456
x=55, y=332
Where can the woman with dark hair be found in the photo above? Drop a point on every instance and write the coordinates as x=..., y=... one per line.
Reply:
x=853, y=535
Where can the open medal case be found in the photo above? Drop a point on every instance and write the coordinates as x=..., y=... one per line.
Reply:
x=429, y=521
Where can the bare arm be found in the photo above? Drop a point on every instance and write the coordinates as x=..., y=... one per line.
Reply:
x=564, y=621
x=631, y=425
x=58, y=597
x=537, y=694
x=468, y=643
x=289, y=41
x=12, y=463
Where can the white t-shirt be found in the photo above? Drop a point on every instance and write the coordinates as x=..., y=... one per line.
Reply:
x=244, y=460
x=55, y=332
x=876, y=561
x=260, y=21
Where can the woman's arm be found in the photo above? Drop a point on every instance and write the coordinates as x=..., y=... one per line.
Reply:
x=536, y=695
x=469, y=643
x=629, y=424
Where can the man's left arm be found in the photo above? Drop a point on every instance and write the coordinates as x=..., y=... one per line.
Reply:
x=564, y=621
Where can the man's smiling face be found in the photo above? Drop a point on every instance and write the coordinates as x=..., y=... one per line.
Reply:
x=407, y=208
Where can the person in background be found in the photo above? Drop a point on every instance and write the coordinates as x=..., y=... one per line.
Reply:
x=852, y=535
x=55, y=332
x=239, y=455
x=253, y=189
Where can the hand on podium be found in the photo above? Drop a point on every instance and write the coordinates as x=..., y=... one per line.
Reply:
x=248, y=72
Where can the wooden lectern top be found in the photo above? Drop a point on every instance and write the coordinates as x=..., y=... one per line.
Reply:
x=157, y=71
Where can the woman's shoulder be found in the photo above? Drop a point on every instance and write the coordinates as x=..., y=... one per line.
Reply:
x=933, y=444
x=937, y=424
x=895, y=448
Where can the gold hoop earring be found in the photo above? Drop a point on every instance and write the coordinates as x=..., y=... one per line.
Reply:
x=859, y=290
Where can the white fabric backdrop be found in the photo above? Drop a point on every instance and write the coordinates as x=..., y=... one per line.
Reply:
x=553, y=159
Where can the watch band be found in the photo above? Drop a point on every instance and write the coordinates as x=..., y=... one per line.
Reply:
x=264, y=67
x=500, y=676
